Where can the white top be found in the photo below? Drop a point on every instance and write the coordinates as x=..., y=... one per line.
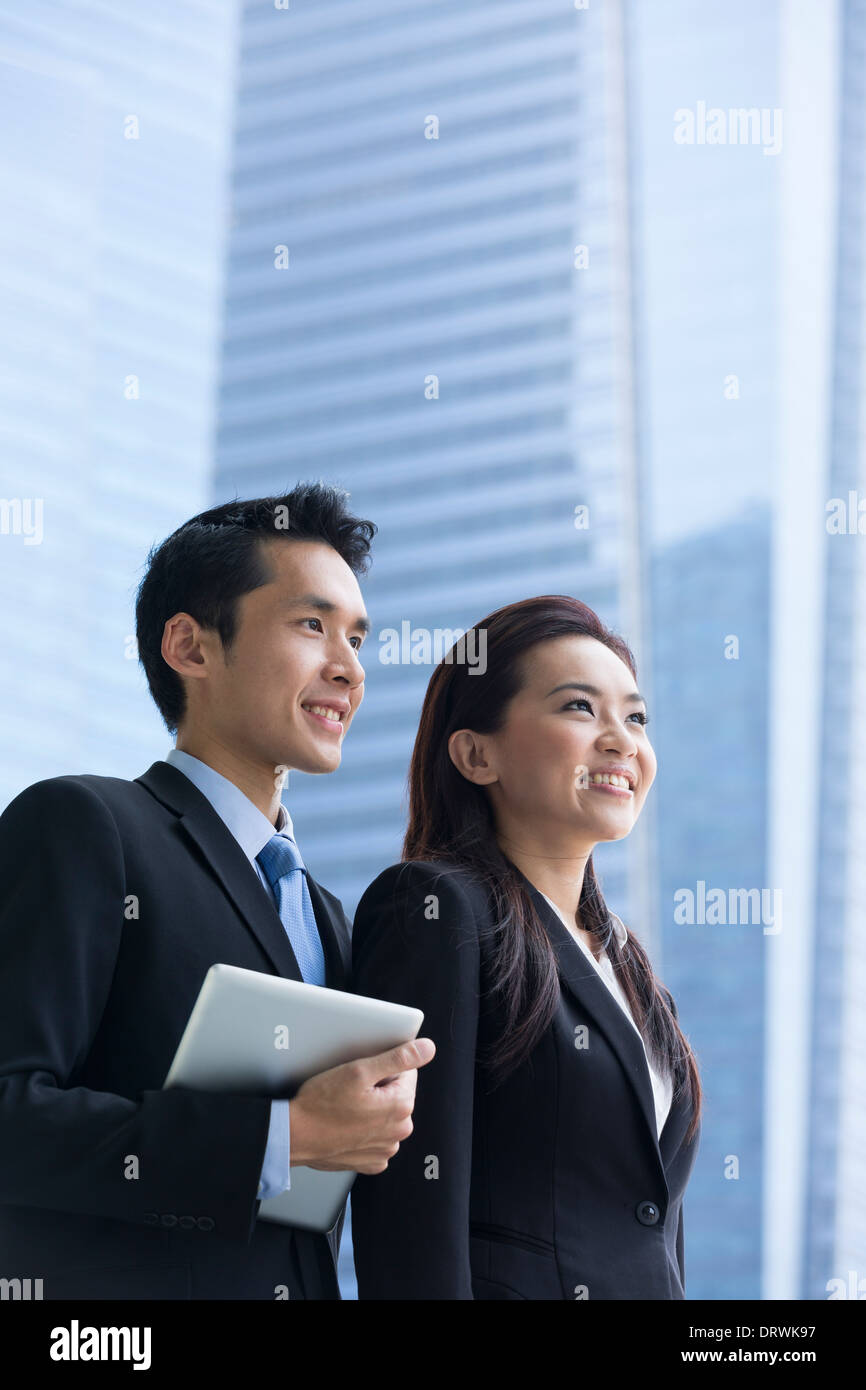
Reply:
x=661, y=1084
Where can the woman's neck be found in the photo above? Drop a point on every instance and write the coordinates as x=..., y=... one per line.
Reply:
x=560, y=878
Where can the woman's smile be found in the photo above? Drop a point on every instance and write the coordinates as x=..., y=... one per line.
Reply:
x=610, y=789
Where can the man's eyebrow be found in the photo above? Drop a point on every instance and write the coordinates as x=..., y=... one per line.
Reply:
x=324, y=605
x=590, y=690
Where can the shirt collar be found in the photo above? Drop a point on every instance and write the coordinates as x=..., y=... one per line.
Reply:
x=620, y=930
x=250, y=827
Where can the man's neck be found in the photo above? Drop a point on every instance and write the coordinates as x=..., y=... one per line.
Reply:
x=262, y=786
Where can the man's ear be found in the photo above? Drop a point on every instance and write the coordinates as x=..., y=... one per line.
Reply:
x=472, y=756
x=181, y=647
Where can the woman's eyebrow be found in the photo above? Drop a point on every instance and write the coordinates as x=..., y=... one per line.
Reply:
x=590, y=690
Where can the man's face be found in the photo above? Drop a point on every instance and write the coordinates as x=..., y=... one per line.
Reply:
x=295, y=647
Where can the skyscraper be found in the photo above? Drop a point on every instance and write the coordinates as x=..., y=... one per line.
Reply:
x=835, y=1219
x=706, y=335
x=423, y=336
x=428, y=302
x=110, y=258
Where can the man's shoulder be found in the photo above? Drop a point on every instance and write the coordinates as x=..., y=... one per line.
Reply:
x=80, y=786
x=79, y=799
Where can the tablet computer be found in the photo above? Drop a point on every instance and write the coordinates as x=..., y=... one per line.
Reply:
x=264, y=1035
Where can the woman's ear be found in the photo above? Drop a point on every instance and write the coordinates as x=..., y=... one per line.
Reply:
x=470, y=754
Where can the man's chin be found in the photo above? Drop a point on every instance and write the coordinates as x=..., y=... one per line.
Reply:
x=316, y=762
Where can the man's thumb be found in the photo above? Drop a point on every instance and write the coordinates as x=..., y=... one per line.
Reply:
x=405, y=1057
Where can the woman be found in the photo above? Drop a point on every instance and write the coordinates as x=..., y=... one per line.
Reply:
x=557, y=1125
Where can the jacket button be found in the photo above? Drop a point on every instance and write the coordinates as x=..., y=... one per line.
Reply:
x=186, y=1223
x=647, y=1213
x=205, y=1223
x=169, y=1219
x=151, y=1218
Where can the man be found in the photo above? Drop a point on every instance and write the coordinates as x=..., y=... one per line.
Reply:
x=118, y=896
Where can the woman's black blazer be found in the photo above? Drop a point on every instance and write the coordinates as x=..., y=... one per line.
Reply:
x=552, y=1185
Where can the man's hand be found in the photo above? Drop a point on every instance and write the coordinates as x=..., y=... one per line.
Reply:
x=353, y=1117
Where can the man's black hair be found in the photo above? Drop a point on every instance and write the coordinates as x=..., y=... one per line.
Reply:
x=210, y=561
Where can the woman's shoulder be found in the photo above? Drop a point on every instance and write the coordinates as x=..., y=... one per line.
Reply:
x=418, y=879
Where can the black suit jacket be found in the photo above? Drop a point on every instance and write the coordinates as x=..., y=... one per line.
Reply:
x=116, y=897
x=552, y=1185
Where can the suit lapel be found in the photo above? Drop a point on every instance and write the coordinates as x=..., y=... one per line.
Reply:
x=593, y=996
x=674, y=1130
x=206, y=830
x=336, y=941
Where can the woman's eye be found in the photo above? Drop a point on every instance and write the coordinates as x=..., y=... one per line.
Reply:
x=638, y=714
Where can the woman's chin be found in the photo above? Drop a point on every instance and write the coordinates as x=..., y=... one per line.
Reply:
x=610, y=825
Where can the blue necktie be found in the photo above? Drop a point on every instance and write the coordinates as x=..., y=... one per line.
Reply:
x=285, y=872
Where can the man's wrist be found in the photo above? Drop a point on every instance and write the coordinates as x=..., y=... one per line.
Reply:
x=299, y=1153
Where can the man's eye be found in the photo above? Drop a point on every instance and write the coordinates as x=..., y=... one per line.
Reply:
x=313, y=620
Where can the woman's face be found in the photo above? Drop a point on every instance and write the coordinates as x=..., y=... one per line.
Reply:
x=577, y=715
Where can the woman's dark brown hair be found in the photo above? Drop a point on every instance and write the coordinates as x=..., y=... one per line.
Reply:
x=451, y=818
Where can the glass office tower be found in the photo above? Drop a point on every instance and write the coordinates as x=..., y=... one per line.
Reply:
x=704, y=236
x=748, y=290
x=110, y=265
x=428, y=302
x=835, y=1225
x=424, y=338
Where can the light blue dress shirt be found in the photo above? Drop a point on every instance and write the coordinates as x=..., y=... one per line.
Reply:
x=252, y=830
